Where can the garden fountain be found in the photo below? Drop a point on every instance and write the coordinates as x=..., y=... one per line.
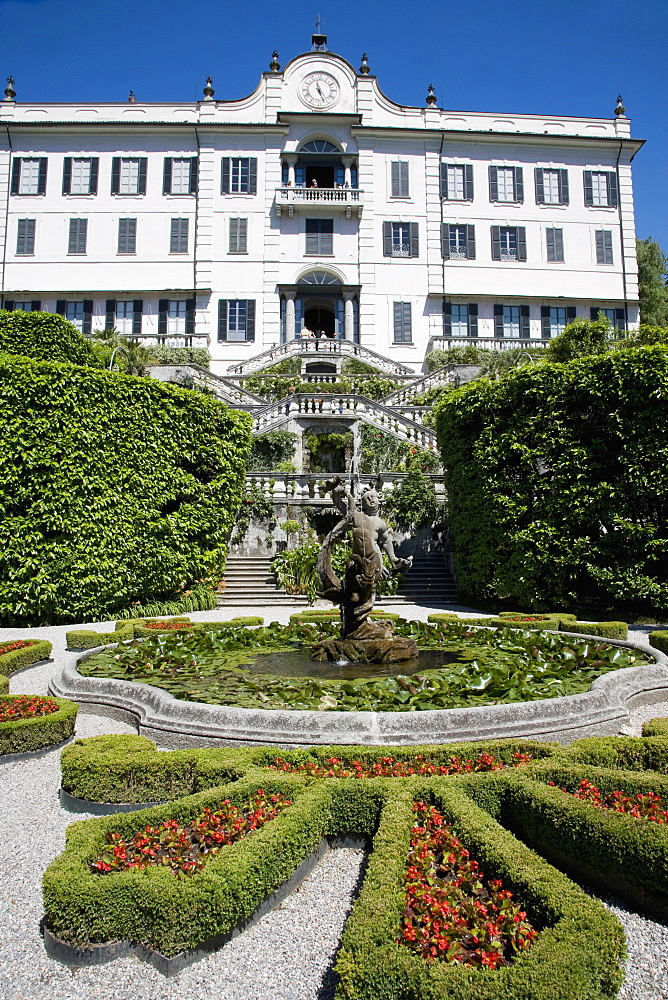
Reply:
x=361, y=639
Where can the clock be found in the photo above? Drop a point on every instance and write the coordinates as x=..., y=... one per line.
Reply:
x=319, y=91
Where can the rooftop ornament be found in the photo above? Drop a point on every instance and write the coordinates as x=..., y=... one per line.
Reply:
x=431, y=95
x=620, y=110
x=274, y=65
x=356, y=593
x=208, y=90
x=364, y=68
x=131, y=97
x=10, y=93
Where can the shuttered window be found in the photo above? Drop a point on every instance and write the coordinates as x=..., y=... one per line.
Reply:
x=551, y=186
x=236, y=319
x=239, y=175
x=403, y=331
x=127, y=235
x=25, y=237
x=554, y=239
x=401, y=239
x=80, y=174
x=178, y=236
x=506, y=184
x=400, y=179
x=604, y=246
x=77, y=236
x=128, y=174
x=616, y=317
x=509, y=243
x=29, y=175
x=457, y=182
x=320, y=237
x=125, y=316
x=457, y=242
x=78, y=313
x=31, y=306
x=555, y=319
x=512, y=321
x=238, y=235
x=601, y=189
x=179, y=175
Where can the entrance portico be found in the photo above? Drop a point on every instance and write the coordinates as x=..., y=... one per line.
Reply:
x=319, y=301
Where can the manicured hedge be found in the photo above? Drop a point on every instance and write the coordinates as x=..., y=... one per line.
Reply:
x=552, y=622
x=130, y=769
x=659, y=640
x=35, y=734
x=16, y=659
x=132, y=629
x=576, y=954
x=117, y=490
x=655, y=727
x=557, y=482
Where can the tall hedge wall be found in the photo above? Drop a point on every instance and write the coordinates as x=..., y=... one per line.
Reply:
x=558, y=481
x=44, y=336
x=113, y=490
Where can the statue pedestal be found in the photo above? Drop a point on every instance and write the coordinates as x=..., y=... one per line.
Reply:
x=372, y=642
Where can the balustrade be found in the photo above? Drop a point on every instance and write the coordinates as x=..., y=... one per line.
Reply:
x=310, y=488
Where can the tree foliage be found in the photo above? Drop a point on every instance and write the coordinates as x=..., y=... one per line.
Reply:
x=45, y=337
x=652, y=267
x=114, y=489
x=581, y=338
x=558, y=482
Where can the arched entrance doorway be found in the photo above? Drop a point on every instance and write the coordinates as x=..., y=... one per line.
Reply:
x=319, y=301
x=320, y=318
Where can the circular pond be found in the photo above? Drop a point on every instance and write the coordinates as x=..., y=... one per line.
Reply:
x=298, y=663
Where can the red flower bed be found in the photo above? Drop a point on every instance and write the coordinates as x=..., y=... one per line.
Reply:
x=170, y=626
x=387, y=767
x=451, y=913
x=526, y=618
x=26, y=706
x=649, y=806
x=8, y=647
x=185, y=849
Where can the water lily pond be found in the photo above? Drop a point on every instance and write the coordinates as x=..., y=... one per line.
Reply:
x=459, y=666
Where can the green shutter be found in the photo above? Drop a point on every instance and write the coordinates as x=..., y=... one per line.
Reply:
x=540, y=186
x=444, y=180
x=447, y=319
x=87, y=314
x=496, y=243
x=41, y=181
x=225, y=180
x=563, y=187
x=445, y=241
x=137, y=311
x=16, y=175
x=468, y=182
x=110, y=314
x=141, y=180
x=613, y=193
x=252, y=175
x=545, y=325
x=525, y=323
x=415, y=239
x=222, y=319
x=387, y=239
x=167, y=176
x=250, y=319
x=498, y=321
x=588, y=189
x=116, y=175
x=190, y=317
x=493, y=184
x=521, y=243
x=163, y=306
x=36, y=305
x=61, y=307
x=94, y=171
x=470, y=242
x=473, y=319
x=519, y=184
x=194, y=174
x=67, y=175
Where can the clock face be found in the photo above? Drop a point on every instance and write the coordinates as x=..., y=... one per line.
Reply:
x=319, y=90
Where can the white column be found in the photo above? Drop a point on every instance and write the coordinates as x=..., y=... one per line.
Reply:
x=289, y=316
x=348, y=318
x=291, y=159
x=347, y=163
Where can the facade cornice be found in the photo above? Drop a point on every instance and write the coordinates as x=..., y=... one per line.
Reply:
x=492, y=136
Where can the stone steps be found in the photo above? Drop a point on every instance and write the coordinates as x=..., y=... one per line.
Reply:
x=249, y=582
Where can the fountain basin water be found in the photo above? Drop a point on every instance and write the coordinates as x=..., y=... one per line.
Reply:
x=298, y=663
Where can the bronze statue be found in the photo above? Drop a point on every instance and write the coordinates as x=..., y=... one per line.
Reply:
x=356, y=594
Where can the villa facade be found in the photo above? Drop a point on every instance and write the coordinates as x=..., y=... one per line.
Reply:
x=317, y=203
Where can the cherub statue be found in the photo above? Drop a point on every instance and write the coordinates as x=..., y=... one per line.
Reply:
x=370, y=538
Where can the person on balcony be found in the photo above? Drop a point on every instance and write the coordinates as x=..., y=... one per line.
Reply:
x=314, y=183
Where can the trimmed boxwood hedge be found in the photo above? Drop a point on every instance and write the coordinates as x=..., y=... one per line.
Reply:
x=136, y=628
x=577, y=953
x=655, y=727
x=549, y=622
x=659, y=640
x=17, y=659
x=25, y=735
x=117, y=490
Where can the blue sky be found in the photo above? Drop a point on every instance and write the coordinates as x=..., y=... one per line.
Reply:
x=568, y=57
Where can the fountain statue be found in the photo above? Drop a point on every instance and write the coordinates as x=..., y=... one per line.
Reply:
x=361, y=639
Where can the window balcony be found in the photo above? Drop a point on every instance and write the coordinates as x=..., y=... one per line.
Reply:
x=331, y=199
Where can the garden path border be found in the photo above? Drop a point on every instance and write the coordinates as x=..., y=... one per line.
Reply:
x=175, y=724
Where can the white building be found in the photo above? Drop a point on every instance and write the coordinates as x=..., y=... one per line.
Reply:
x=316, y=202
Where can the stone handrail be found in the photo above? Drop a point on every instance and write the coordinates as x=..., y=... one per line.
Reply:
x=407, y=392
x=309, y=487
x=318, y=350
x=343, y=406
x=339, y=197
x=194, y=376
x=493, y=343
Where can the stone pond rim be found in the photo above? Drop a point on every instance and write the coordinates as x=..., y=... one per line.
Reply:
x=174, y=724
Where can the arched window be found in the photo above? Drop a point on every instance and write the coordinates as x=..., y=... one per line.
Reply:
x=319, y=146
x=319, y=278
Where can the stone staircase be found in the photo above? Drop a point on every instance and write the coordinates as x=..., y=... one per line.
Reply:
x=250, y=583
x=321, y=350
x=428, y=582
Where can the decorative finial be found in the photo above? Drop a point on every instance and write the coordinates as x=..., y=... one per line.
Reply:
x=364, y=68
x=208, y=90
x=10, y=93
x=431, y=95
x=131, y=97
x=620, y=110
x=274, y=65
